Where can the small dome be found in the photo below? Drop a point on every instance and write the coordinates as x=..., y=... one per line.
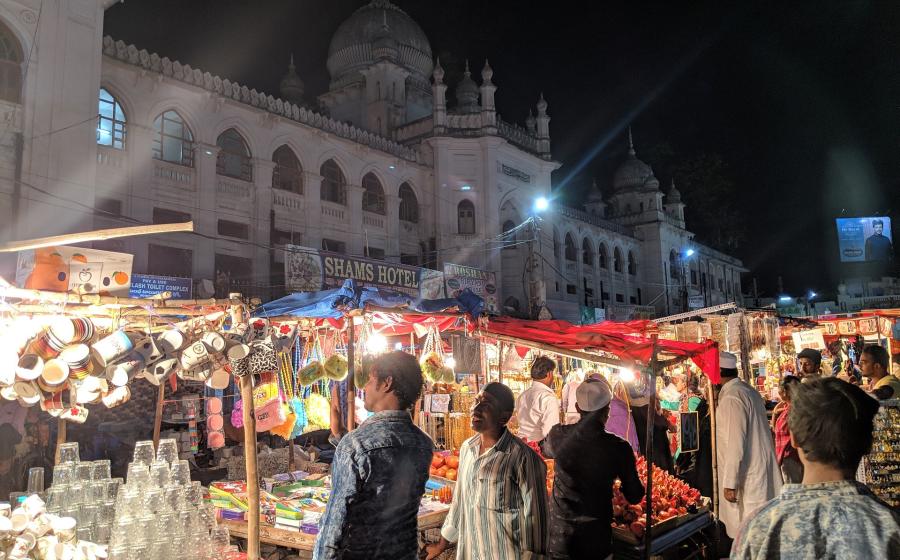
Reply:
x=674, y=195
x=530, y=122
x=634, y=174
x=292, y=86
x=595, y=195
x=353, y=45
x=467, y=93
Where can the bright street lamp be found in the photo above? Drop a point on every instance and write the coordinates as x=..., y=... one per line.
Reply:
x=689, y=253
x=541, y=204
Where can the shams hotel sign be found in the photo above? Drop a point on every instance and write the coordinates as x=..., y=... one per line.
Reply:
x=310, y=270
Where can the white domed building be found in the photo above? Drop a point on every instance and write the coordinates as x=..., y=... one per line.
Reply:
x=378, y=167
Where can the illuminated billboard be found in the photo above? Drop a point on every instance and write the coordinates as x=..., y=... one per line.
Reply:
x=865, y=239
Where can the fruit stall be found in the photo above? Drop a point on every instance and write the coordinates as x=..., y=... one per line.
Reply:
x=677, y=513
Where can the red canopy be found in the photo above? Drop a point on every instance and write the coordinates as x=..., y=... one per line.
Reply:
x=627, y=341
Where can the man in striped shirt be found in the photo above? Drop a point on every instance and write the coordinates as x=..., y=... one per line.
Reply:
x=499, y=509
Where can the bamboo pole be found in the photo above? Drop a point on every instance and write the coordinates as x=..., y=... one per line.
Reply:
x=714, y=454
x=351, y=374
x=96, y=235
x=157, y=419
x=96, y=299
x=103, y=312
x=250, y=463
x=60, y=436
x=648, y=453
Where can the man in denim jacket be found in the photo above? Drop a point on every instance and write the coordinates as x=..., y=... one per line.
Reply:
x=379, y=471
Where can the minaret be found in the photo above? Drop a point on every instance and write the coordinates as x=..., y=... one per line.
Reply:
x=488, y=109
x=467, y=93
x=595, y=205
x=530, y=123
x=292, y=87
x=674, y=206
x=439, y=92
x=543, y=128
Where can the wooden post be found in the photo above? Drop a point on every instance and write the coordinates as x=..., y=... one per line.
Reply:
x=60, y=436
x=291, y=458
x=250, y=463
x=157, y=420
x=651, y=413
x=715, y=460
x=351, y=375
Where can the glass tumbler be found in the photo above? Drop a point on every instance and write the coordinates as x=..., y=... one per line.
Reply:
x=63, y=473
x=143, y=452
x=138, y=475
x=159, y=473
x=84, y=471
x=168, y=450
x=101, y=470
x=180, y=473
x=68, y=452
x=35, y=480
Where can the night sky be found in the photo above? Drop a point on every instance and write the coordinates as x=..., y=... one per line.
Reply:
x=800, y=101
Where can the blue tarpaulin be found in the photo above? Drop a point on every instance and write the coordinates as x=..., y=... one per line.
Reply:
x=331, y=304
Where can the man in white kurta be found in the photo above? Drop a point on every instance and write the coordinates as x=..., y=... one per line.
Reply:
x=748, y=473
x=537, y=408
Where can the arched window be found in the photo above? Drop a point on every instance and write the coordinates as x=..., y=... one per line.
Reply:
x=555, y=243
x=632, y=264
x=604, y=256
x=570, y=253
x=111, y=122
x=587, y=253
x=617, y=260
x=509, y=241
x=288, y=173
x=409, y=204
x=10, y=66
x=373, y=194
x=673, y=264
x=173, y=141
x=465, y=217
x=334, y=185
x=234, y=156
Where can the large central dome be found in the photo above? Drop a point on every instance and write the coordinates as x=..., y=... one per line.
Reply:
x=351, y=48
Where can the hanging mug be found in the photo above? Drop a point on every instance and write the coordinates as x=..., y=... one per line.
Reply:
x=116, y=397
x=112, y=348
x=78, y=358
x=195, y=355
x=27, y=392
x=219, y=379
x=29, y=367
x=90, y=389
x=215, y=343
x=75, y=413
x=54, y=403
x=53, y=376
x=283, y=337
x=239, y=360
x=259, y=328
x=262, y=357
x=148, y=349
x=171, y=341
x=238, y=333
x=160, y=371
x=122, y=373
x=196, y=373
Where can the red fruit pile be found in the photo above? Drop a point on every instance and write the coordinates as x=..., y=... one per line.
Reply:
x=671, y=497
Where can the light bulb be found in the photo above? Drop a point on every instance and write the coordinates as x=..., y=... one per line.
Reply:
x=376, y=344
x=627, y=375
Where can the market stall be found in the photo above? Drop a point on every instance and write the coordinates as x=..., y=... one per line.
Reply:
x=69, y=352
x=636, y=348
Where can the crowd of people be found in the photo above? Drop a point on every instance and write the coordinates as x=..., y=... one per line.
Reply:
x=500, y=508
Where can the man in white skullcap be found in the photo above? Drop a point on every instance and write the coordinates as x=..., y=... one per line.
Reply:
x=588, y=460
x=748, y=472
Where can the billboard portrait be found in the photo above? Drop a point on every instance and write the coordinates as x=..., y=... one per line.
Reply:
x=865, y=239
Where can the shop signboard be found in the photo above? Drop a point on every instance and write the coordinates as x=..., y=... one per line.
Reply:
x=310, y=270
x=808, y=339
x=482, y=283
x=149, y=285
x=689, y=431
x=695, y=302
x=77, y=269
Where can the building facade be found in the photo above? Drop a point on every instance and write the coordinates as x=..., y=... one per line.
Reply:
x=98, y=133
